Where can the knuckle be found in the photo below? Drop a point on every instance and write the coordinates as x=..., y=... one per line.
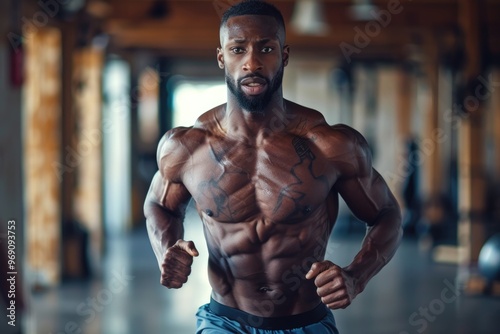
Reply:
x=318, y=283
x=336, y=269
x=339, y=281
x=170, y=253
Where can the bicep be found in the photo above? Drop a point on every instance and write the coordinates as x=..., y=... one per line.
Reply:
x=367, y=196
x=167, y=190
x=360, y=185
x=171, y=196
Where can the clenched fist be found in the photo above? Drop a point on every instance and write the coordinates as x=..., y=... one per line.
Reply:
x=334, y=285
x=176, y=265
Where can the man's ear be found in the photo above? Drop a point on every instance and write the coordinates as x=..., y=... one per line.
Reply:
x=285, y=54
x=220, y=58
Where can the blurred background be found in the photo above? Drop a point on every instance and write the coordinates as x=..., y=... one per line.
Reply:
x=87, y=88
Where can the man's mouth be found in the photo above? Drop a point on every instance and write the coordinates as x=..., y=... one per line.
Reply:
x=253, y=85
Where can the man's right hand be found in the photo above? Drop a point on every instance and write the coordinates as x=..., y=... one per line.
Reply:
x=176, y=265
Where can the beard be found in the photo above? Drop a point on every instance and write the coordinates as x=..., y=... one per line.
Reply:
x=255, y=104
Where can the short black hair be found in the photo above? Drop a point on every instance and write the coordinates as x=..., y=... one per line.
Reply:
x=253, y=7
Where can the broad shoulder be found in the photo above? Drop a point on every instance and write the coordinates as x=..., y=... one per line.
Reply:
x=344, y=147
x=311, y=124
x=179, y=144
x=179, y=141
x=302, y=120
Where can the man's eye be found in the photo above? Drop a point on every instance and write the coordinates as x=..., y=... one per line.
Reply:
x=237, y=50
x=267, y=49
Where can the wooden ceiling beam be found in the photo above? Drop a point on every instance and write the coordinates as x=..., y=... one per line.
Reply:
x=191, y=27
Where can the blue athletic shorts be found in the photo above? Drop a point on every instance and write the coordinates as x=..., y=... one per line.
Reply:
x=215, y=318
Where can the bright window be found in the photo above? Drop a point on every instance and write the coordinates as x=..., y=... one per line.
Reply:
x=193, y=98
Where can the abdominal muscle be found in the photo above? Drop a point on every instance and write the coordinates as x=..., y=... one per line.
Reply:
x=266, y=277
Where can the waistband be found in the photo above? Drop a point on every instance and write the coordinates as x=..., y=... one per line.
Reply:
x=274, y=323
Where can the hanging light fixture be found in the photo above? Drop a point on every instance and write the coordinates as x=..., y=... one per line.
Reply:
x=361, y=10
x=307, y=18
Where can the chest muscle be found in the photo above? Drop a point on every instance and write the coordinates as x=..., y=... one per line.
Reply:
x=280, y=182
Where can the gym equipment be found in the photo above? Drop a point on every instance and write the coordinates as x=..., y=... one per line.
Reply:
x=489, y=259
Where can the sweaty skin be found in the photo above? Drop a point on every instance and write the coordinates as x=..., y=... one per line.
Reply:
x=266, y=186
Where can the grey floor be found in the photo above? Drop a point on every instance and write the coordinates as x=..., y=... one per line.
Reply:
x=412, y=294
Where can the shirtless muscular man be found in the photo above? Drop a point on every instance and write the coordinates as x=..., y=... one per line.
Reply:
x=265, y=175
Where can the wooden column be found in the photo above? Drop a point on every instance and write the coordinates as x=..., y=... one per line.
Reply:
x=495, y=110
x=472, y=196
x=404, y=106
x=42, y=114
x=472, y=182
x=429, y=142
x=360, y=98
x=135, y=94
x=165, y=97
x=87, y=205
x=71, y=261
x=404, y=103
x=404, y=164
x=495, y=139
x=385, y=116
x=67, y=176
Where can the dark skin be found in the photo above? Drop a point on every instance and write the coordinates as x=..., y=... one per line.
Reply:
x=266, y=186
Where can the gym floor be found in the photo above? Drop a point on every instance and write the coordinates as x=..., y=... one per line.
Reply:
x=412, y=294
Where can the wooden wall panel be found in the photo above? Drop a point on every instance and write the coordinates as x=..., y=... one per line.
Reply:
x=42, y=113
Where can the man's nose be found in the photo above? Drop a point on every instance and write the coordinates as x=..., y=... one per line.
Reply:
x=252, y=62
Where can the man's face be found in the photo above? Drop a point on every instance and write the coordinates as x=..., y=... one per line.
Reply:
x=253, y=58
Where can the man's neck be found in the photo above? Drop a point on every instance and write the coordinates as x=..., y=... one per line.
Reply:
x=251, y=125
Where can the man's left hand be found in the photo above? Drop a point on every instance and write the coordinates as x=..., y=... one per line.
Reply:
x=334, y=285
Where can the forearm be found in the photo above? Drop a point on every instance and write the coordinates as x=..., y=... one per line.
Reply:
x=379, y=246
x=164, y=228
